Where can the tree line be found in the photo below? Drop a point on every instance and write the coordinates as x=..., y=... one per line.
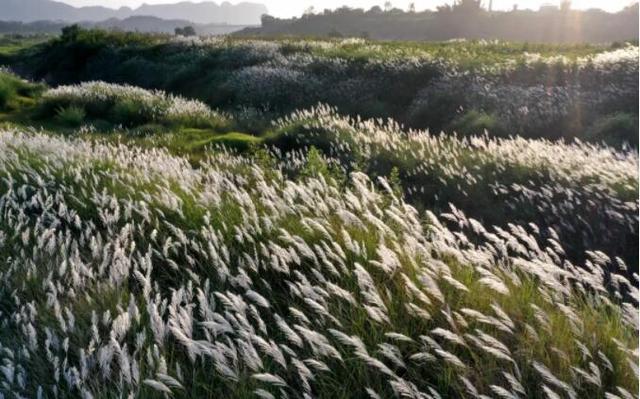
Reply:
x=469, y=19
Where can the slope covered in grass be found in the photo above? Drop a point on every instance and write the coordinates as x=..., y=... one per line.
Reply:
x=128, y=105
x=15, y=91
x=130, y=272
x=582, y=195
x=536, y=91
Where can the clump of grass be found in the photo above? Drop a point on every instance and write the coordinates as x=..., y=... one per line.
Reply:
x=8, y=93
x=129, y=112
x=71, y=116
x=131, y=106
x=153, y=278
x=493, y=180
x=15, y=92
x=235, y=140
x=536, y=91
x=615, y=129
x=474, y=123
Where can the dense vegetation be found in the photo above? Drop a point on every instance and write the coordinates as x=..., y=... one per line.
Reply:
x=538, y=91
x=152, y=245
x=16, y=92
x=464, y=18
x=139, y=274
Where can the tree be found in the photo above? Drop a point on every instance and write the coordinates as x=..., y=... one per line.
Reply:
x=412, y=7
x=267, y=20
x=70, y=33
x=186, y=31
x=189, y=31
x=344, y=10
x=468, y=6
x=309, y=11
x=388, y=6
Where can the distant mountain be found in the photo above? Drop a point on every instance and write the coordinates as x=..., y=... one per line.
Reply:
x=140, y=24
x=206, y=12
x=131, y=24
x=34, y=10
x=159, y=25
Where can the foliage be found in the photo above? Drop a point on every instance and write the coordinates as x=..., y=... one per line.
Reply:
x=159, y=251
x=186, y=31
x=7, y=93
x=130, y=106
x=316, y=165
x=462, y=19
x=14, y=91
x=615, y=130
x=14, y=44
x=72, y=116
x=583, y=195
x=141, y=275
x=476, y=123
x=553, y=92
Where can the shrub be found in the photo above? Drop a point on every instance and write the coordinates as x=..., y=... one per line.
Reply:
x=129, y=112
x=7, y=93
x=130, y=106
x=15, y=91
x=316, y=165
x=615, y=130
x=474, y=123
x=533, y=90
x=72, y=116
x=561, y=188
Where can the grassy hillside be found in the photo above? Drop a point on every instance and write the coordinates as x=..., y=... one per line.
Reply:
x=537, y=91
x=11, y=45
x=152, y=245
x=141, y=275
x=580, y=194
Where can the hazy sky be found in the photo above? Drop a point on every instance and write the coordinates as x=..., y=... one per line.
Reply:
x=288, y=8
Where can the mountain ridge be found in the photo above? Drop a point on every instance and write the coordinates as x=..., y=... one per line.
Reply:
x=203, y=12
x=143, y=24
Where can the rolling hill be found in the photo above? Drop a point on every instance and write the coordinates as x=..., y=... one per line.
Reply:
x=206, y=12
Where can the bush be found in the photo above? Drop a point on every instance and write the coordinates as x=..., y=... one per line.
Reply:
x=71, y=116
x=475, y=123
x=316, y=165
x=14, y=90
x=615, y=130
x=553, y=185
x=128, y=112
x=130, y=106
x=7, y=93
x=534, y=89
